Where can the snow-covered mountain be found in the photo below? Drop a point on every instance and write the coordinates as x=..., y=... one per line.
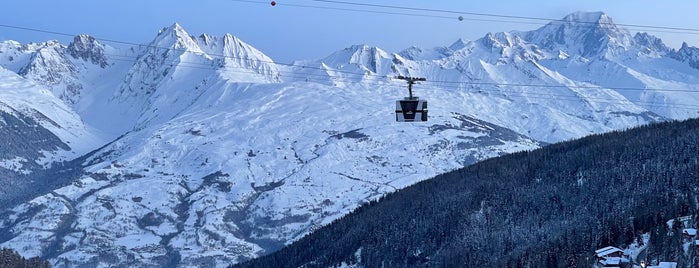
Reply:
x=207, y=152
x=40, y=134
x=588, y=34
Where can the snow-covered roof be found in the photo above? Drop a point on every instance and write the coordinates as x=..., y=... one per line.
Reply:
x=611, y=261
x=667, y=265
x=607, y=251
x=690, y=231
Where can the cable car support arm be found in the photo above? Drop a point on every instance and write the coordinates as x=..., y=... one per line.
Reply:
x=411, y=82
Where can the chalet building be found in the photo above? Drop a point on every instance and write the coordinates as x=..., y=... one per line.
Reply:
x=689, y=235
x=610, y=262
x=610, y=257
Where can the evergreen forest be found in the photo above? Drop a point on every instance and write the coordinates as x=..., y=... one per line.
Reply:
x=551, y=207
x=11, y=259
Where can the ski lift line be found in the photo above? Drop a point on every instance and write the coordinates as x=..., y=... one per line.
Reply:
x=309, y=77
x=146, y=46
x=359, y=74
x=460, y=18
x=548, y=96
x=560, y=97
x=252, y=2
x=66, y=34
x=449, y=84
x=242, y=70
x=457, y=84
x=500, y=15
x=352, y=10
x=533, y=95
x=553, y=96
x=563, y=86
x=437, y=82
x=172, y=49
x=207, y=66
x=372, y=11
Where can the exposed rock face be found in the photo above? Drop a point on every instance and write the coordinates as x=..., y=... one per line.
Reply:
x=87, y=48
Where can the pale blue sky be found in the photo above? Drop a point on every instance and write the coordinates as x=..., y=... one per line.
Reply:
x=286, y=33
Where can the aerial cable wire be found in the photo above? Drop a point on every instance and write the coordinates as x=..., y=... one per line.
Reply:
x=502, y=15
x=316, y=78
x=561, y=86
x=65, y=34
x=348, y=9
x=519, y=19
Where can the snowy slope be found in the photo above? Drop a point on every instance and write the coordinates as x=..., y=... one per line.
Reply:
x=38, y=132
x=81, y=74
x=221, y=155
x=22, y=97
x=242, y=177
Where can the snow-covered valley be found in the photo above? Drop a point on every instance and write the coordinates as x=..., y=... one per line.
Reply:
x=203, y=151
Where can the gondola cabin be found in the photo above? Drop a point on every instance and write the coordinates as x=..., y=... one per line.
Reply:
x=409, y=110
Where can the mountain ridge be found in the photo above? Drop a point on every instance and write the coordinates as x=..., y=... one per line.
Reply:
x=217, y=154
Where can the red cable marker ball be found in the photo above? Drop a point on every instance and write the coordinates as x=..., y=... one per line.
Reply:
x=273, y=3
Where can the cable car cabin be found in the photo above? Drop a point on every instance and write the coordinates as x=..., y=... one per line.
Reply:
x=411, y=109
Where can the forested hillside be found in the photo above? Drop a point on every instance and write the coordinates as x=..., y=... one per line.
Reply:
x=550, y=207
x=10, y=259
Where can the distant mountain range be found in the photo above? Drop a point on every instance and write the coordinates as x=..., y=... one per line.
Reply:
x=201, y=150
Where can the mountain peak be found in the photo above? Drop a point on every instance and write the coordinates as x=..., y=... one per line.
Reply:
x=650, y=43
x=235, y=54
x=687, y=54
x=236, y=49
x=588, y=17
x=416, y=53
x=229, y=39
x=501, y=39
x=174, y=27
x=175, y=37
x=207, y=39
x=87, y=48
x=458, y=44
x=369, y=57
x=582, y=33
x=361, y=47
